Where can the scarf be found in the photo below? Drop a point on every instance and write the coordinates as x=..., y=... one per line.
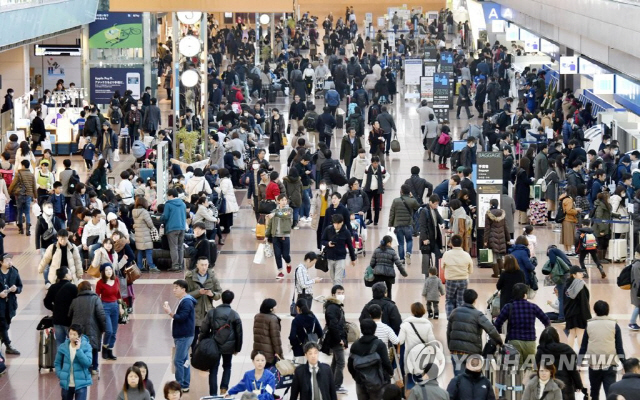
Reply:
x=575, y=288
x=119, y=245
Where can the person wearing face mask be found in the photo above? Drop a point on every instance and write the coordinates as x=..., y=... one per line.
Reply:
x=47, y=228
x=134, y=119
x=335, y=339
x=8, y=101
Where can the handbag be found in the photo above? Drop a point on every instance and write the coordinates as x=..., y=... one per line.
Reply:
x=285, y=367
x=259, y=257
x=266, y=207
x=321, y=262
x=132, y=273
x=221, y=204
x=395, y=144
x=206, y=350
x=368, y=276
x=94, y=271
x=485, y=256
x=122, y=280
x=49, y=234
x=268, y=250
x=123, y=314
x=155, y=236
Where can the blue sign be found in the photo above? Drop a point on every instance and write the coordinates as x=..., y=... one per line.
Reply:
x=441, y=81
x=446, y=61
x=105, y=81
x=492, y=12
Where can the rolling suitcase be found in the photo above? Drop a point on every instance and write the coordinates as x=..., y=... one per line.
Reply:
x=339, y=121
x=10, y=211
x=272, y=96
x=617, y=251
x=508, y=375
x=47, y=349
x=125, y=144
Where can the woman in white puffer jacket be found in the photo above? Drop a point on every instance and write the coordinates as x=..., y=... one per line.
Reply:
x=618, y=203
x=415, y=330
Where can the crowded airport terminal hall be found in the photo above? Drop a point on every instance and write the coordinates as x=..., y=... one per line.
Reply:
x=320, y=200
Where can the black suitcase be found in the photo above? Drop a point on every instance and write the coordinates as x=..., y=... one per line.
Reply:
x=339, y=121
x=272, y=96
x=125, y=144
x=47, y=349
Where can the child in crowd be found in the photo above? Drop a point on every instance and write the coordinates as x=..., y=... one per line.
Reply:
x=432, y=290
x=531, y=238
x=555, y=306
x=88, y=153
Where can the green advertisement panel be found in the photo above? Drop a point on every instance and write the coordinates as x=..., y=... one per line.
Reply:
x=116, y=30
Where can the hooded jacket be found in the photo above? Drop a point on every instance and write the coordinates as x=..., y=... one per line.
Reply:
x=203, y=302
x=523, y=256
x=552, y=390
x=470, y=386
x=53, y=257
x=11, y=301
x=364, y=346
x=86, y=310
x=266, y=335
x=184, y=319
x=390, y=314
x=356, y=201
x=81, y=363
x=218, y=317
x=569, y=373
x=293, y=188
x=58, y=299
x=336, y=329
x=174, y=215
x=496, y=234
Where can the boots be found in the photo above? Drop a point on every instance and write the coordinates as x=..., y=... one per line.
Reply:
x=110, y=355
x=496, y=271
x=28, y=230
x=20, y=230
x=602, y=273
x=105, y=353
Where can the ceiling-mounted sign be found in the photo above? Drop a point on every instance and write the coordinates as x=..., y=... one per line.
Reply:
x=491, y=11
x=568, y=65
x=512, y=32
x=603, y=83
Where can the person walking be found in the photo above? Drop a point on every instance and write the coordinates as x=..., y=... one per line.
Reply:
x=496, y=235
x=108, y=290
x=521, y=186
x=390, y=313
x=319, y=206
x=563, y=357
x=23, y=188
x=86, y=311
x=303, y=327
x=266, y=333
x=374, y=179
x=205, y=288
x=401, y=219
x=509, y=277
x=414, y=330
x=72, y=364
x=576, y=306
x=335, y=338
x=629, y=385
x=174, y=218
x=369, y=344
x=337, y=241
x=382, y=262
x=58, y=300
x=225, y=319
x=303, y=283
x=635, y=290
x=182, y=329
x=431, y=233
x=567, y=202
x=10, y=287
x=278, y=233
x=464, y=99
x=133, y=387
x=457, y=266
x=313, y=380
x=388, y=125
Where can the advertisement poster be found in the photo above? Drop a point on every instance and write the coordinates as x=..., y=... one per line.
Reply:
x=105, y=81
x=442, y=95
x=430, y=54
x=412, y=71
x=446, y=61
x=426, y=88
x=429, y=69
x=118, y=30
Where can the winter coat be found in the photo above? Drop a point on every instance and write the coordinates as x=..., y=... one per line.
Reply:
x=568, y=205
x=203, y=302
x=184, y=319
x=577, y=309
x=101, y=257
x=463, y=96
x=335, y=325
x=293, y=188
x=356, y=201
x=523, y=256
x=302, y=325
x=464, y=330
x=505, y=285
x=206, y=215
x=53, y=258
x=468, y=386
x=390, y=314
x=602, y=229
x=402, y=210
x=142, y=226
x=553, y=389
x=196, y=185
x=266, y=336
x=81, y=363
x=496, y=233
x=226, y=189
x=151, y=120
x=620, y=210
x=11, y=301
x=382, y=262
x=281, y=223
x=627, y=386
x=420, y=188
x=410, y=339
x=364, y=346
x=442, y=150
x=381, y=175
x=86, y=310
x=635, y=283
x=540, y=166
x=316, y=203
x=218, y=317
x=12, y=148
x=23, y=177
x=569, y=373
x=522, y=190
x=58, y=299
x=552, y=186
x=509, y=207
x=347, y=150
x=174, y=216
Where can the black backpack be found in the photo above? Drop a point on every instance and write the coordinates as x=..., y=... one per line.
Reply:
x=310, y=122
x=73, y=182
x=337, y=175
x=224, y=335
x=361, y=99
x=369, y=368
x=456, y=159
x=116, y=116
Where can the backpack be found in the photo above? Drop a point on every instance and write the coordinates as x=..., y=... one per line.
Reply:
x=560, y=214
x=337, y=175
x=73, y=181
x=456, y=159
x=543, y=181
x=368, y=368
x=374, y=111
x=311, y=336
x=416, y=220
x=224, y=336
x=115, y=116
x=503, y=120
x=310, y=122
x=444, y=139
x=354, y=123
x=361, y=99
x=588, y=241
x=624, y=279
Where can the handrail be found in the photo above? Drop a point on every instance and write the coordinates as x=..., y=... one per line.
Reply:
x=599, y=104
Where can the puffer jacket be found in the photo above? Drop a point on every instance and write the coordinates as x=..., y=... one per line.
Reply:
x=101, y=257
x=496, y=234
x=382, y=262
x=208, y=216
x=356, y=201
x=266, y=335
x=293, y=188
x=470, y=386
x=74, y=262
x=390, y=314
x=619, y=209
x=12, y=148
x=410, y=339
x=523, y=256
x=86, y=310
x=81, y=364
x=402, y=209
x=602, y=212
x=552, y=390
x=335, y=324
x=464, y=330
x=302, y=325
x=281, y=222
x=359, y=167
x=218, y=317
x=203, y=302
x=142, y=225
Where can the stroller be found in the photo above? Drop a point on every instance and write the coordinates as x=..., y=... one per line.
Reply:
x=359, y=234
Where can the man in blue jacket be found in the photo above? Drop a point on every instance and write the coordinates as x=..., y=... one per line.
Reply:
x=332, y=99
x=174, y=218
x=182, y=330
x=596, y=186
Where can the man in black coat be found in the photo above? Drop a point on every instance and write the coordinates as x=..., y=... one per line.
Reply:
x=430, y=233
x=201, y=246
x=418, y=185
x=58, y=299
x=335, y=338
x=313, y=380
x=629, y=385
x=390, y=314
x=369, y=344
x=507, y=165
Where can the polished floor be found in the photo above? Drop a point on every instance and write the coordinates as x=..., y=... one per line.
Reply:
x=147, y=336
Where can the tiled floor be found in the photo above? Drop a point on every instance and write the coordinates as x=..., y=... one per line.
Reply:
x=147, y=336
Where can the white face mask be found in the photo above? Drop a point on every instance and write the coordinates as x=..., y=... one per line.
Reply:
x=256, y=166
x=47, y=210
x=340, y=297
x=323, y=187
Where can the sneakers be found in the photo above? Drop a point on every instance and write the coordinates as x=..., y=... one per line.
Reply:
x=430, y=314
x=571, y=255
x=47, y=285
x=633, y=327
x=11, y=350
x=223, y=392
x=408, y=258
x=155, y=270
x=280, y=276
x=185, y=390
x=288, y=268
x=296, y=227
x=175, y=269
x=342, y=390
x=436, y=316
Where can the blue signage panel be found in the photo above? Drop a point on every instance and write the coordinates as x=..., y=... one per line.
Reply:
x=105, y=81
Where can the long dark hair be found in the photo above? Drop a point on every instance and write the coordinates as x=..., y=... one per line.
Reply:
x=135, y=370
x=24, y=148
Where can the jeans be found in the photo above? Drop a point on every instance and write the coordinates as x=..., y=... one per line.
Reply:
x=281, y=249
x=23, y=205
x=112, y=313
x=148, y=253
x=404, y=233
x=73, y=394
x=46, y=269
x=634, y=315
x=598, y=377
x=181, y=361
x=561, y=294
x=336, y=271
x=387, y=141
x=92, y=251
x=226, y=374
x=337, y=365
x=62, y=332
x=176, y=247
x=296, y=215
x=306, y=202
